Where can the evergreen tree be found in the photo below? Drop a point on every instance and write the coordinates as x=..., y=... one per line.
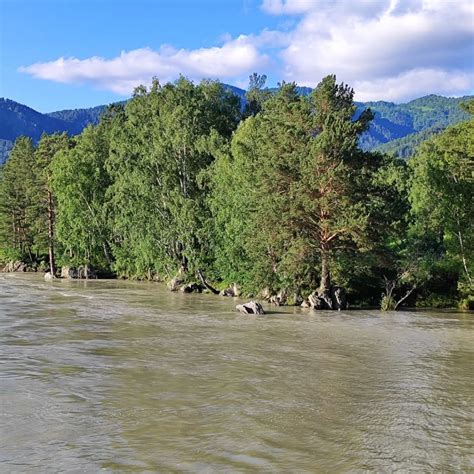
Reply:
x=310, y=182
x=45, y=213
x=17, y=204
x=256, y=94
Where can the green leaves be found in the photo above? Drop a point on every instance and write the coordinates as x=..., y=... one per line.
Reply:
x=442, y=191
x=169, y=138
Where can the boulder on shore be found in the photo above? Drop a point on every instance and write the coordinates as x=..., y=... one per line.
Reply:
x=48, y=276
x=86, y=272
x=175, y=284
x=266, y=294
x=83, y=272
x=191, y=288
x=68, y=272
x=233, y=290
x=252, y=307
x=333, y=298
x=281, y=298
x=14, y=266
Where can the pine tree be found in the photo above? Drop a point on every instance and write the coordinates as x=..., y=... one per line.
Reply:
x=45, y=212
x=17, y=183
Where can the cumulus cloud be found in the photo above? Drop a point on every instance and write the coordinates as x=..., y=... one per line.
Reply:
x=385, y=49
x=132, y=68
x=381, y=47
x=414, y=83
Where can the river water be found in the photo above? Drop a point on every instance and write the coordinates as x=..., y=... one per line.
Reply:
x=116, y=376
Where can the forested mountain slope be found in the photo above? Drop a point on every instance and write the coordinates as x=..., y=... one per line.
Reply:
x=396, y=128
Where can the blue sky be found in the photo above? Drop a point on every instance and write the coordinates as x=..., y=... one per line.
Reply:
x=57, y=54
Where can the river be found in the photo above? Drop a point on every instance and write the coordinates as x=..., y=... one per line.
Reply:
x=116, y=376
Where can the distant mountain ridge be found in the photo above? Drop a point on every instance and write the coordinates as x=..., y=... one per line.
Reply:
x=403, y=125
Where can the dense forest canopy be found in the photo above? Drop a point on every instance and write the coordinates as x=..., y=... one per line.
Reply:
x=410, y=123
x=278, y=195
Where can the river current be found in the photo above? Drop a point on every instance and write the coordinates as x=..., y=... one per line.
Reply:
x=115, y=376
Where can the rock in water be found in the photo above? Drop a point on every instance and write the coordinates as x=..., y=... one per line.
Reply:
x=332, y=298
x=48, y=276
x=68, y=272
x=175, y=284
x=252, y=307
x=338, y=296
x=86, y=272
x=191, y=288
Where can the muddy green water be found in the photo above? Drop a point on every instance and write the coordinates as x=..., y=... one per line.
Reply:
x=126, y=377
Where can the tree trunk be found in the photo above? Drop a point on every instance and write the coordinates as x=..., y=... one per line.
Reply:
x=52, y=268
x=105, y=247
x=325, y=283
x=206, y=284
x=463, y=254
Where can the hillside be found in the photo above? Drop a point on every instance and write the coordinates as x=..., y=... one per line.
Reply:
x=396, y=128
x=5, y=147
x=18, y=119
x=428, y=114
x=405, y=147
x=79, y=117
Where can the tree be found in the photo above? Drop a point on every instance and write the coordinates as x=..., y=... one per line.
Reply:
x=442, y=192
x=157, y=162
x=233, y=201
x=80, y=182
x=17, y=183
x=256, y=94
x=332, y=206
x=45, y=213
x=309, y=184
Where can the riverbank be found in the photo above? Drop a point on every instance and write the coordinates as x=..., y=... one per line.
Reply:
x=273, y=302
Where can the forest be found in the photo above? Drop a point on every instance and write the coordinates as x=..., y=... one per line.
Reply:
x=277, y=199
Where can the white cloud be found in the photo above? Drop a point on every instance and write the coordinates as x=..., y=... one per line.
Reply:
x=385, y=49
x=132, y=68
x=414, y=83
x=338, y=7
x=381, y=47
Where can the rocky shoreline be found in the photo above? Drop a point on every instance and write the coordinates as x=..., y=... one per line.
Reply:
x=333, y=298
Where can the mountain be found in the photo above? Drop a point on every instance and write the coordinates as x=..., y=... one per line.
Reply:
x=17, y=119
x=417, y=120
x=396, y=128
x=5, y=148
x=404, y=147
x=79, y=117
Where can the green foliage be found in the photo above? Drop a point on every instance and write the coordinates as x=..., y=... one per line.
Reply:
x=9, y=254
x=256, y=95
x=45, y=201
x=18, y=184
x=279, y=197
x=467, y=303
x=403, y=126
x=434, y=300
x=291, y=194
x=442, y=192
x=160, y=153
x=80, y=182
x=387, y=303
